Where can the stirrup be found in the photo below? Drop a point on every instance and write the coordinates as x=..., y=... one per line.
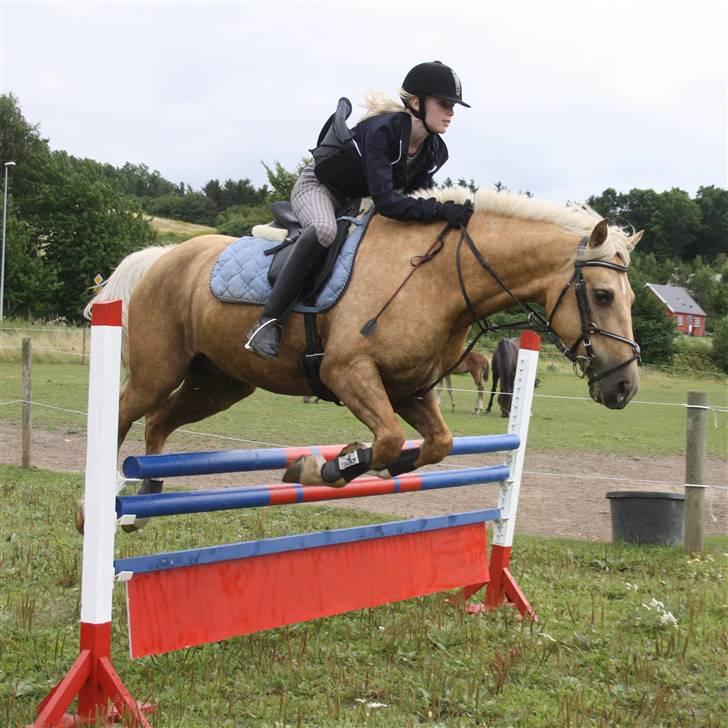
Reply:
x=264, y=338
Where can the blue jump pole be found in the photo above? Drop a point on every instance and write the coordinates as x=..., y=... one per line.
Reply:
x=201, y=501
x=232, y=461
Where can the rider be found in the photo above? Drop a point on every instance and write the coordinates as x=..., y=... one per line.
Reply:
x=394, y=149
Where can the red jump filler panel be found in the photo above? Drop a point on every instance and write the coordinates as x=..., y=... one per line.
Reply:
x=171, y=609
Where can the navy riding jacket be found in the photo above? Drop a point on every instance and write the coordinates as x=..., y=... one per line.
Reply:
x=382, y=142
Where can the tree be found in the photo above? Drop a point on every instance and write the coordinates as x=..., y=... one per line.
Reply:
x=610, y=204
x=139, y=181
x=234, y=193
x=67, y=222
x=720, y=344
x=191, y=207
x=239, y=221
x=675, y=223
x=21, y=142
x=281, y=180
x=82, y=227
x=31, y=286
x=654, y=331
x=712, y=239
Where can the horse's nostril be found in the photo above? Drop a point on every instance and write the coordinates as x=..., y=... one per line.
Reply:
x=624, y=388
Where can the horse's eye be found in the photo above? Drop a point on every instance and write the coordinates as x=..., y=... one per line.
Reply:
x=603, y=297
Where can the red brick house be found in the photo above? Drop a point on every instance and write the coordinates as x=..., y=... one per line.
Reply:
x=689, y=318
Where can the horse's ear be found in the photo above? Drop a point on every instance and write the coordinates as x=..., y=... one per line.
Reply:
x=599, y=234
x=632, y=242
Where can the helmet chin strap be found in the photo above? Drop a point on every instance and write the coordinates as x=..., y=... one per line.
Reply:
x=421, y=114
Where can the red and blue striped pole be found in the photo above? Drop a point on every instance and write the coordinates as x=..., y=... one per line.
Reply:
x=233, y=461
x=256, y=496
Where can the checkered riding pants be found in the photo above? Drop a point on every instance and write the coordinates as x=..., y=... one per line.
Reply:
x=315, y=205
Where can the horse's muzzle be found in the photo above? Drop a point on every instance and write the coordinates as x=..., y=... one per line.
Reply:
x=615, y=390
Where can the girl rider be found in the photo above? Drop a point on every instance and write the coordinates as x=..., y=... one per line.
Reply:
x=394, y=149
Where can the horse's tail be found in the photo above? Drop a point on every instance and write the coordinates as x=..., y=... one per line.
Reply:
x=123, y=281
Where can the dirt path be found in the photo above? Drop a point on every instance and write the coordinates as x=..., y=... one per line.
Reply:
x=560, y=496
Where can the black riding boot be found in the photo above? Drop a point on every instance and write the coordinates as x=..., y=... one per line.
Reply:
x=264, y=338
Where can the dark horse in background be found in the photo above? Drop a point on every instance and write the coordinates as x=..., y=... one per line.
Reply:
x=503, y=368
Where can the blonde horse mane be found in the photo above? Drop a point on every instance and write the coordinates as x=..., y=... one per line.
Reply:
x=576, y=218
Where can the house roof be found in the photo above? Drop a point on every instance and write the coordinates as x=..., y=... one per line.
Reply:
x=677, y=299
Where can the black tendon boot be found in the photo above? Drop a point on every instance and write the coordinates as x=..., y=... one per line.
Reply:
x=264, y=338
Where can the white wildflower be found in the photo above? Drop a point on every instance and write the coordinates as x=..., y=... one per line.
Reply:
x=664, y=616
x=363, y=701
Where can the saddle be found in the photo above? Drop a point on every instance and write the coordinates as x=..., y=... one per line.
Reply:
x=287, y=228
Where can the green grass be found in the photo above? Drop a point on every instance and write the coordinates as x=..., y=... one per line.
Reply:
x=600, y=656
x=571, y=425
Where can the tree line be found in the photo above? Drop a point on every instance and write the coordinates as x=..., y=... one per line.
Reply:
x=69, y=219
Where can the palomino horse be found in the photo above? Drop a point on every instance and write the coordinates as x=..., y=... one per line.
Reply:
x=505, y=359
x=475, y=364
x=184, y=348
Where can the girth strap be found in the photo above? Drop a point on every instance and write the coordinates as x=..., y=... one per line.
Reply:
x=310, y=360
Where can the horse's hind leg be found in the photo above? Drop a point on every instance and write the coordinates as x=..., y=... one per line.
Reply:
x=493, y=388
x=150, y=383
x=204, y=392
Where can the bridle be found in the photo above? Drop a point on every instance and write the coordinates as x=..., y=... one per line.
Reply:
x=582, y=364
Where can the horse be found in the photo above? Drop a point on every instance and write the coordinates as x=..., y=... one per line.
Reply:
x=185, y=360
x=503, y=366
x=475, y=364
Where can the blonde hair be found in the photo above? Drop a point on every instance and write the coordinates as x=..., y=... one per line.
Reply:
x=377, y=102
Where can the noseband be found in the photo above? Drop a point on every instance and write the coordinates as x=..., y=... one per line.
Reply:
x=582, y=364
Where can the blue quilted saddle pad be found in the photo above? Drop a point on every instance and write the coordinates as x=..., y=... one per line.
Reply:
x=240, y=274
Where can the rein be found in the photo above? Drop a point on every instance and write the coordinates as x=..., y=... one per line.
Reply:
x=582, y=364
x=535, y=321
x=415, y=262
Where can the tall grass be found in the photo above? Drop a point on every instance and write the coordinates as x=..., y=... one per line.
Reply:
x=51, y=341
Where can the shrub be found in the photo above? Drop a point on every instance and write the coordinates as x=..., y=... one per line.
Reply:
x=239, y=221
x=653, y=330
x=720, y=344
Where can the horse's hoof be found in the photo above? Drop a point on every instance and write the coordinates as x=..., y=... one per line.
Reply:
x=138, y=524
x=305, y=470
x=80, y=517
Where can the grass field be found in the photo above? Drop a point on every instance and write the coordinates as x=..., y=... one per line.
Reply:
x=176, y=231
x=629, y=636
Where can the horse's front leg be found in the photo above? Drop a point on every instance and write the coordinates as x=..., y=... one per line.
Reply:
x=359, y=386
x=425, y=416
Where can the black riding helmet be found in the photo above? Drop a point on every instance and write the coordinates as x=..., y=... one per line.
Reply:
x=433, y=79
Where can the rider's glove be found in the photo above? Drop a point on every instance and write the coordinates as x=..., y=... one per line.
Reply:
x=455, y=213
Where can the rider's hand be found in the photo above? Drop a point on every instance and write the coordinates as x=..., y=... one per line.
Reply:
x=455, y=213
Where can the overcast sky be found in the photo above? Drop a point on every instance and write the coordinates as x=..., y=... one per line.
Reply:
x=568, y=98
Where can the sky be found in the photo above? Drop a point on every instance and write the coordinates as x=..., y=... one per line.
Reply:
x=568, y=98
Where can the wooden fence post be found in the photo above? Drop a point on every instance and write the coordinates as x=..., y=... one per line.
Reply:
x=694, y=471
x=27, y=357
